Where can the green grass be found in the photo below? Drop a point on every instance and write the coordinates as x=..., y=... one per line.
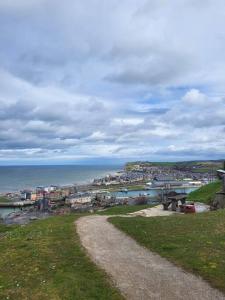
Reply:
x=130, y=165
x=202, y=165
x=205, y=193
x=195, y=242
x=44, y=260
x=123, y=209
x=4, y=228
x=4, y=199
x=204, y=170
x=132, y=187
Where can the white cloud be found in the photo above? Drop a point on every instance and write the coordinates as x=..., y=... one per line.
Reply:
x=194, y=97
x=125, y=79
x=127, y=121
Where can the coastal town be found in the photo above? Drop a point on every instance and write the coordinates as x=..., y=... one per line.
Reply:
x=141, y=182
x=146, y=176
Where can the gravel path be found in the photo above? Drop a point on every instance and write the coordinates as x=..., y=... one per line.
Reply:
x=137, y=272
x=155, y=211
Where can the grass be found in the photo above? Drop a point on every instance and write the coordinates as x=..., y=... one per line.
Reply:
x=205, y=193
x=195, y=242
x=129, y=166
x=4, y=228
x=44, y=260
x=132, y=187
x=123, y=209
x=202, y=165
x=4, y=199
x=204, y=170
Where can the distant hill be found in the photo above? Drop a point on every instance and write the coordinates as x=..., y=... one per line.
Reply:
x=198, y=166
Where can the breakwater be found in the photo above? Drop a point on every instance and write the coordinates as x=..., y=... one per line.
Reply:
x=16, y=204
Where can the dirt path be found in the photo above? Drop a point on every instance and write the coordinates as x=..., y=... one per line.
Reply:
x=137, y=272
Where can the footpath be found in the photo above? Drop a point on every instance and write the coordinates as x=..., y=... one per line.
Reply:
x=137, y=272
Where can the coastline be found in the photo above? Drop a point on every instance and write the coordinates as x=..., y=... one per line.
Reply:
x=77, y=181
x=60, y=181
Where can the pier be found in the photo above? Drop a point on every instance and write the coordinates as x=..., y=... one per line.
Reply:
x=16, y=204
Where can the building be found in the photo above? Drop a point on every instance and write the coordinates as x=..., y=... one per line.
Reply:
x=25, y=195
x=33, y=196
x=80, y=198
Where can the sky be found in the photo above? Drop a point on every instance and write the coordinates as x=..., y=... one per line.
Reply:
x=108, y=81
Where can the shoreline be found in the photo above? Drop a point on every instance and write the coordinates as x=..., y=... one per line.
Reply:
x=83, y=183
x=88, y=186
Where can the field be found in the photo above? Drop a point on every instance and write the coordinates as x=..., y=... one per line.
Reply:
x=129, y=166
x=45, y=260
x=4, y=199
x=206, y=193
x=129, y=187
x=195, y=242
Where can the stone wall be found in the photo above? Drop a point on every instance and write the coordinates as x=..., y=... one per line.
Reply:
x=219, y=201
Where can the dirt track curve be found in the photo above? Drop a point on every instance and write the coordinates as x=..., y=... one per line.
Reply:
x=137, y=272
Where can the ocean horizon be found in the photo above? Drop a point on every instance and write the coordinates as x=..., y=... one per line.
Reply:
x=15, y=178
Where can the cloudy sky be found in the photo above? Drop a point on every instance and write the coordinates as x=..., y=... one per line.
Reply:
x=82, y=81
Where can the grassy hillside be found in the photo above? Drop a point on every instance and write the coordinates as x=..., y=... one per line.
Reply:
x=195, y=242
x=205, y=193
x=129, y=166
x=196, y=166
x=45, y=260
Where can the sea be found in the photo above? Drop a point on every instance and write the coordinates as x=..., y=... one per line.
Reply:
x=16, y=178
